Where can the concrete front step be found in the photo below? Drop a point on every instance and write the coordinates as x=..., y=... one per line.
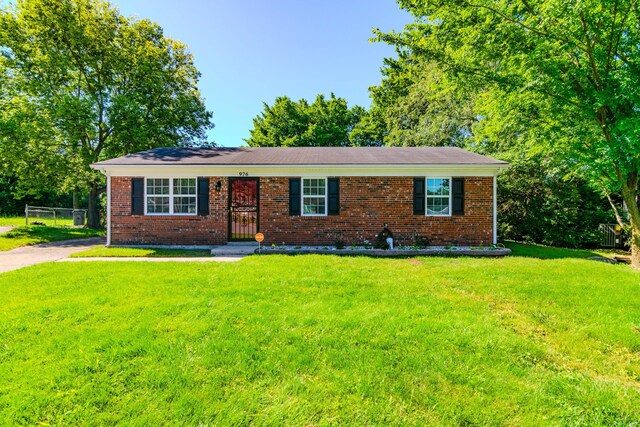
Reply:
x=248, y=243
x=234, y=249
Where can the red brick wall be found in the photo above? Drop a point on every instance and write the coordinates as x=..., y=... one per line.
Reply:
x=366, y=203
x=127, y=229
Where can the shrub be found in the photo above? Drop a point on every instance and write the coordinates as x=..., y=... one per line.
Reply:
x=536, y=204
x=421, y=242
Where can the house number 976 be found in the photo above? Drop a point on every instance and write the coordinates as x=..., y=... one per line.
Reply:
x=244, y=173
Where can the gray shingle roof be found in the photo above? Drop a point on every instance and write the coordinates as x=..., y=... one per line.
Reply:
x=305, y=156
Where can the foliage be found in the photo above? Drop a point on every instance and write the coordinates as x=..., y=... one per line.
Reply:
x=558, y=76
x=323, y=123
x=283, y=340
x=80, y=83
x=34, y=234
x=13, y=198
x=416, y=105
x=537, y=204
x=141, y=252
x=421, y=242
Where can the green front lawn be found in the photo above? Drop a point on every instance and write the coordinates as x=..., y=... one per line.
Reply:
x=12, y=221
x=548, y=252
x=141, y=252
x=322, y=340
x=34, y=234
x=16, y=221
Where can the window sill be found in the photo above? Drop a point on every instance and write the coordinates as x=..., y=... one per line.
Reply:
x=171, y=215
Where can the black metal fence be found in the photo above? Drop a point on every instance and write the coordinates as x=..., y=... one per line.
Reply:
x=612, y=236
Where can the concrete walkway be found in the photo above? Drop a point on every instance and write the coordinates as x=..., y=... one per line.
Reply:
x=45, y=252
x=5, y=228
x=156, y=259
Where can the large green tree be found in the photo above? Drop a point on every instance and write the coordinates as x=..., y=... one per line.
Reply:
x=79, y=83
x=323, y=123
x=416, y=105
x=557, y=75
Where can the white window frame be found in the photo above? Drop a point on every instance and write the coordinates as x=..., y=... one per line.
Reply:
x=326, y=196
x=170, y=195
x=427, y=196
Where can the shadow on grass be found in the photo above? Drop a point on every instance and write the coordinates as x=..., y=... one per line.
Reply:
x=34, y=234
x=549, y=252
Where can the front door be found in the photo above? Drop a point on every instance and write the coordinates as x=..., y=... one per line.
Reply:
x=243, y=208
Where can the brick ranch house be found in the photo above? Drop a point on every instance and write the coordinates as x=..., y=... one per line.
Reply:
x=301, y=195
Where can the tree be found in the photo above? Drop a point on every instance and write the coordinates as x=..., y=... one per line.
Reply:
x=324, y=123
x=416, y=105
x=558, y=75
x=537, y=204
x=80, y=83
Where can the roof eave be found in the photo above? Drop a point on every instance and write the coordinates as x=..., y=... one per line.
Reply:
x=467, y=169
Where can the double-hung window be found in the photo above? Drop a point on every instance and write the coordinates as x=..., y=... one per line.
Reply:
x=314, y=196
x=438, y=196
x=171, y=196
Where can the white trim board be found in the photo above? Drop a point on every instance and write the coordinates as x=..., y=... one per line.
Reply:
x=108, y=210
x=495, y=210
x=306, y=171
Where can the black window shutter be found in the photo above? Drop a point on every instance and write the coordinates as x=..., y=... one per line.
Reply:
x=419, y=196
x=203, y=196
x=457, y=194
x=334, y=196
x=137, y=196
x=295, y=193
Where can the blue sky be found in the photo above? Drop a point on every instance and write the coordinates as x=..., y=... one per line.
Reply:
x=250, y=51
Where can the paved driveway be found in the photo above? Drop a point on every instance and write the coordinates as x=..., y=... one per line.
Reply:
x=30, y=255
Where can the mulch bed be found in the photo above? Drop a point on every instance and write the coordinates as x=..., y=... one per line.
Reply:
x=431, y=251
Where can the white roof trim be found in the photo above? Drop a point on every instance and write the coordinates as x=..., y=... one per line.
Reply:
x=171, y=170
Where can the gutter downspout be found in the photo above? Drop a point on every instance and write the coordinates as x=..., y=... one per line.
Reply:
x=109, y=210
x=495, y=209
x=108, y=205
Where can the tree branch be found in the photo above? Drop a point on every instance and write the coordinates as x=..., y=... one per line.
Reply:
x=615, y=209
x=592, y=63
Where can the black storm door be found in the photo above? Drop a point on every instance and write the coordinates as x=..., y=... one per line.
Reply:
x=243, y=208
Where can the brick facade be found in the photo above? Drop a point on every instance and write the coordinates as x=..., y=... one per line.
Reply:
x=127, y=229
x=366, y=203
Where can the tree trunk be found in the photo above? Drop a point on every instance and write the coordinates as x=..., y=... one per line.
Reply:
x=630, y=196
x=635, y=247
x=93, y=214
x=75, y=199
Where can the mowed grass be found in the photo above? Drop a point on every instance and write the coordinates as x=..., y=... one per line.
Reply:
x=33, y=234
x=16, y=221
x=322, y=340
x=12, y=221
x=141, y=252
x=548, y=252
